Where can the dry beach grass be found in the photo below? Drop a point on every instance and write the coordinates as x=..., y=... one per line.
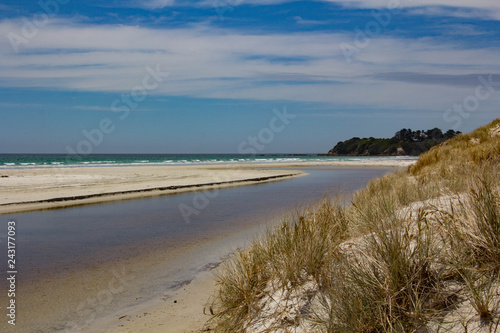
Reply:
x=51, y=299
x=415, y=251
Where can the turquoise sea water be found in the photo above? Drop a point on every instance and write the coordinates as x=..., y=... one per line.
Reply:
x=64, y=160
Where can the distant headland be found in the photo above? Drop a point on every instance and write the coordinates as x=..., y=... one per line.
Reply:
x=404, y=142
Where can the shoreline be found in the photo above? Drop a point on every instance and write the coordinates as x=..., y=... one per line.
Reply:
x=26, y=190
x=214, y=161
x=360, y=163
x=180, y=309
x=31, y=189
x=98, y=198
x=149, y=314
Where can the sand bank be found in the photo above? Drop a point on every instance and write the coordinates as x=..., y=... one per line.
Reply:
x=399, y=163
x=46, y=188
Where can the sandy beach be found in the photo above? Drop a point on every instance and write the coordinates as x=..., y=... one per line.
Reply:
x=47, y=188
x=183, y=310
x=178, y=309
x=249, y=166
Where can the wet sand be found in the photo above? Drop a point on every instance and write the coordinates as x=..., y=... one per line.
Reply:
x=183, y=311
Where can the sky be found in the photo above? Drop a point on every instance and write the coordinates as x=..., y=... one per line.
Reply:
x=234, y=76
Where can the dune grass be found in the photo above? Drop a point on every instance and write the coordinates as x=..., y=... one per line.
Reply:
x=303, y=246
x=387, y=261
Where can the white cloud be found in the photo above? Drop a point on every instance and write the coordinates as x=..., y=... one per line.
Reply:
x=159, y=4
x=150, y=4
x=91, y=107
x=300, y=20
x=234, y=3
x=229, y=64
x=483, y=9
x=484, y=4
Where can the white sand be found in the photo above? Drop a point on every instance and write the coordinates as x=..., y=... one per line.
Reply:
x=26, y=189
x=29, y=189
x=401, y=163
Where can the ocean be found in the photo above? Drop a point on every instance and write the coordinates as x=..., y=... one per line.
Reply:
x=65, y=160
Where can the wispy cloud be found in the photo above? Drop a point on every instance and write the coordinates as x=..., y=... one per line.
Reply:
x=159, y=4
x=300, y=20
x=467, y=12
x=481, y=9
x=150, y=4
x=205, y=62
x=234, y=3
x=461, y=30
x=107, y=108
x=449, y=80
x=91, y=107
x=484, y=4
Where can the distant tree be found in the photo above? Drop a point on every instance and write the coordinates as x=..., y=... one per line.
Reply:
x=401, y=134
x=405, y=135
x=435, y=133
x=406, y=140
x=409, y=135
x=418, y=136
x=451, y=133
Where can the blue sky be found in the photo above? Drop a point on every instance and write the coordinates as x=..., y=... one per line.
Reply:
x=342, y=68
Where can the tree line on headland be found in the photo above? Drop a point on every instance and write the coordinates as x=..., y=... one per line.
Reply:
x=404, y=142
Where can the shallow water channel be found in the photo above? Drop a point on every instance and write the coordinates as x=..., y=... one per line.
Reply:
x=78, y=264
